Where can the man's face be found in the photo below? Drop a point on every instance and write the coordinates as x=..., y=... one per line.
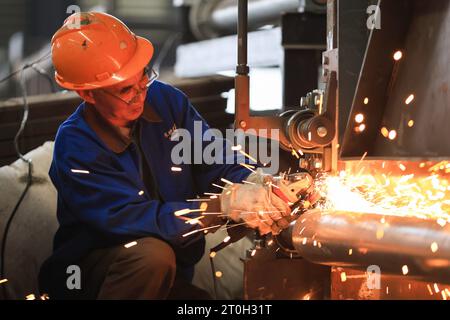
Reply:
x=124, y=102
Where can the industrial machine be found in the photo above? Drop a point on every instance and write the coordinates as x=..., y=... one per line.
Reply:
x=382, y=110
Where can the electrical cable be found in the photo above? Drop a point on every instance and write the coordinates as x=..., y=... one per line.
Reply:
x=21, y=156
x=26, y=66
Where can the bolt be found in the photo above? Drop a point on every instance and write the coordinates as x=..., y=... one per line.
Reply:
x=322, y=132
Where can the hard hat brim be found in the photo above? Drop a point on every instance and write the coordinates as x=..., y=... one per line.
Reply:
x=142, y=56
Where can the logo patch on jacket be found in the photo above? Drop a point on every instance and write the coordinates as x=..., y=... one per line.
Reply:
x=169, y=133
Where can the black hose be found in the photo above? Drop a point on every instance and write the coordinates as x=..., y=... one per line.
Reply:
x=29, y=179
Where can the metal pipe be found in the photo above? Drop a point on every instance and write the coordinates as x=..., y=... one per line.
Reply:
x=212, y=18
x=359, y=240
x=262, y=11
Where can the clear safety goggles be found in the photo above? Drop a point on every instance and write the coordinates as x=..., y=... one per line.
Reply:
x=130, y=94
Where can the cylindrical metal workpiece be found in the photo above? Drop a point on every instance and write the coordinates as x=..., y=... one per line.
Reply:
x=359, y=240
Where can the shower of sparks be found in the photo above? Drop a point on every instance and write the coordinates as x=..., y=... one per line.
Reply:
x=193, y=200
x=30, y=297
x=253, y=252
x=270, y=242
x=388, y=195
x=248, y=156
x=409, y=99
x=199, y=230
x=392, y=135
x=141, y=192
x=350, y=252
x=398, y=55
x=309, y=136
x=183, y=212
x=216, y=185
x=248, y=182
x=405, y=269
x=212, y=254
x=430, y=290
x=362, y=159
x=227, y=181
x=380, y=234
x=294, y=153
x=366, y=101
x=247, y=166
x=359, y=118
x=436, y=288
x=273, y=185
x=343, y=276
x=434, y=247
x=131, y=244
x=79, y=171
x=218, y=274
x=227, y=238
x=236, y=148
x=176, y=169
x=385, y=132
x=410, y=123
x=360, y=128
x=194, y=220
x=3, y=281
x=211, y=194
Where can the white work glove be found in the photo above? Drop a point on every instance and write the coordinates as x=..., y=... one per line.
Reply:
x=259, y=177
x=257, y=206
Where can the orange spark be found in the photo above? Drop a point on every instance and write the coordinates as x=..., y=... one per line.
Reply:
x=398, y=55
x=409, y=99
x=359, y=118
x=392, y=134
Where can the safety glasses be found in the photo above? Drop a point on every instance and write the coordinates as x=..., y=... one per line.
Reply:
x=130, y=94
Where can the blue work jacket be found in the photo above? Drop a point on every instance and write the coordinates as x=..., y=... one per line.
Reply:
x=102, y=199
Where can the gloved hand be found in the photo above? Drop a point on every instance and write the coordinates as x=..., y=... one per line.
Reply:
x=257, y=206
x=259, y=177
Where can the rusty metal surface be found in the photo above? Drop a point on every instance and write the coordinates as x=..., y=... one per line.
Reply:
x=351, y=284
x=268, y=277
x=326, y=237
x=374, y=78
x=420, y=30
x=424, y=72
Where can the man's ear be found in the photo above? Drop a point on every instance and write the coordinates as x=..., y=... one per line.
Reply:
x=86, y=95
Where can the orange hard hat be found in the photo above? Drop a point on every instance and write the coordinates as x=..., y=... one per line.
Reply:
x=95, y=50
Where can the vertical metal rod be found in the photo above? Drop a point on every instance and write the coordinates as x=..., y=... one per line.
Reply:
x=242, y=68
x=242, y=79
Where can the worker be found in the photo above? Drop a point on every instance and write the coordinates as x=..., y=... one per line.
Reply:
x=117, y=195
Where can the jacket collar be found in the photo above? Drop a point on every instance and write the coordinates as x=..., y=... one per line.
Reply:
x=111, y=135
